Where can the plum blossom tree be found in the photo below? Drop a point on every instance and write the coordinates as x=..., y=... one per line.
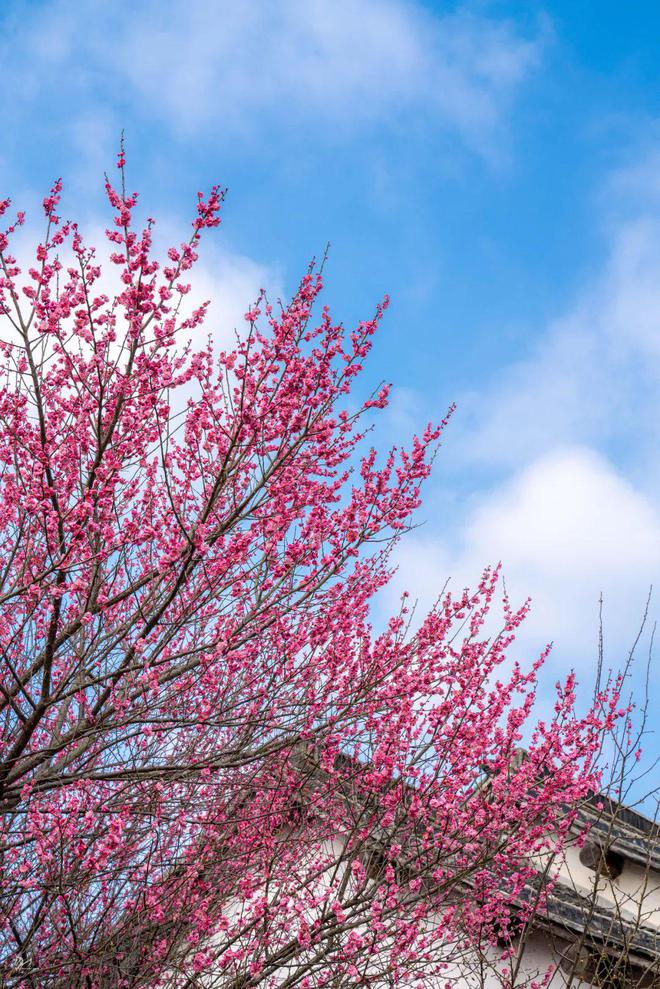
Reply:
x=213, y=770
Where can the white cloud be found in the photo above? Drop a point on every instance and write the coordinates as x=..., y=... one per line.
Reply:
x=217, y=64
x=232, y=282
x=592, y=378
x=566, y=527
x=561, y=447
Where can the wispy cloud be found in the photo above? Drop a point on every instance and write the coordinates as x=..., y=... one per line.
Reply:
x=593, y=376
x=561, y=450
x=220, y=68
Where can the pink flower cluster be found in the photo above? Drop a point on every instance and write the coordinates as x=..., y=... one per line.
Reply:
x=210, y=761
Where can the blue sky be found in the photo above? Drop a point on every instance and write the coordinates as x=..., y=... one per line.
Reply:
x=494, y=167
